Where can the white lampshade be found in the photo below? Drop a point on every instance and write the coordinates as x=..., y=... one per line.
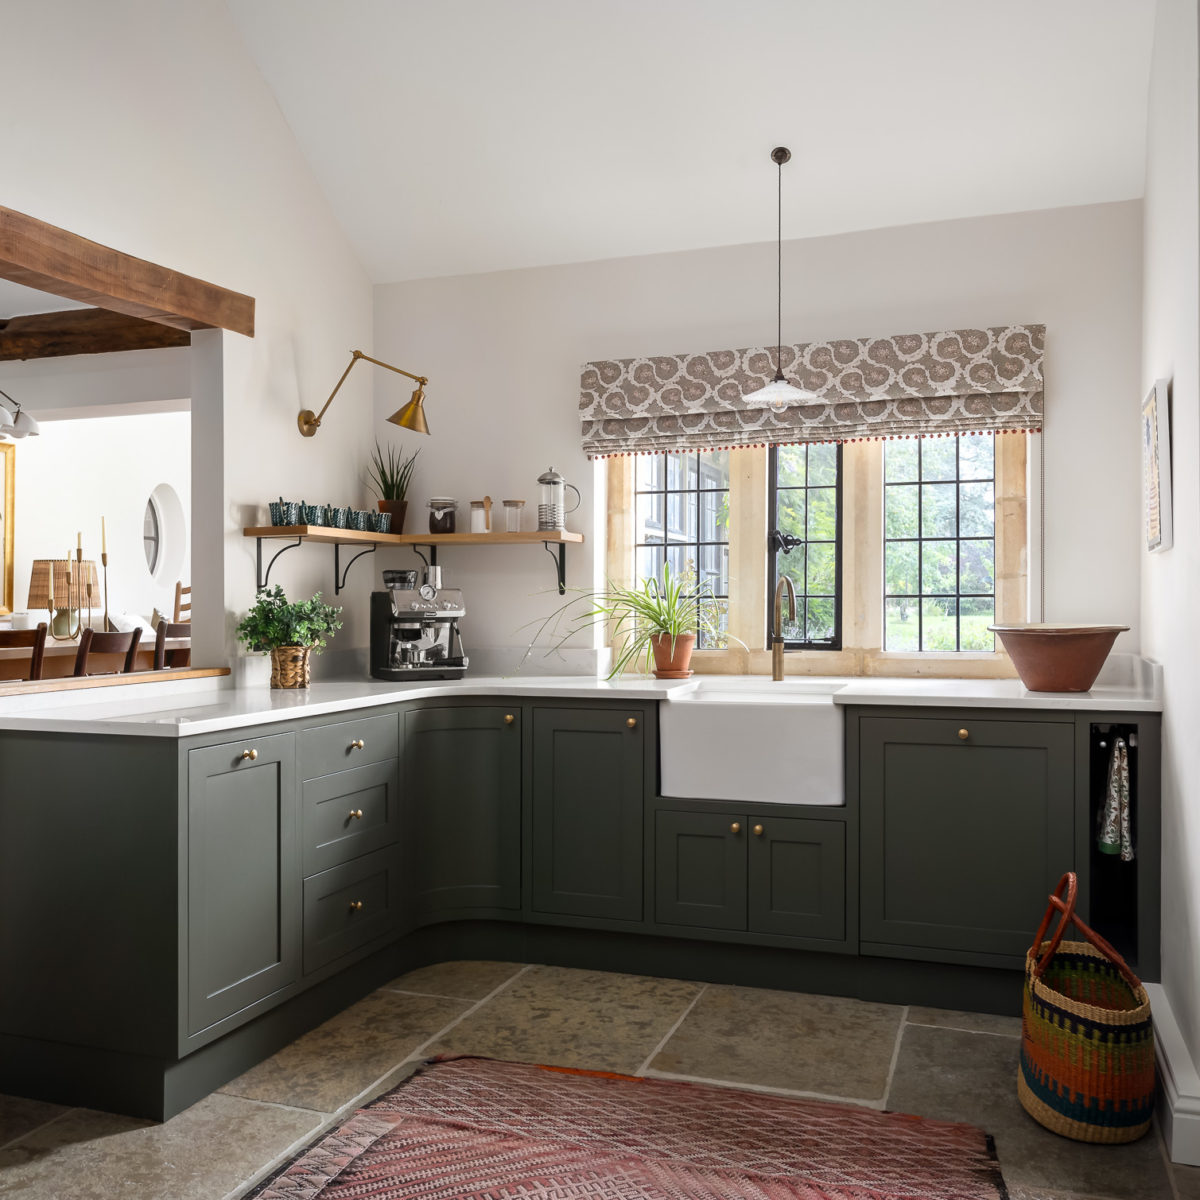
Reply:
x=5, y=421
x=23, y=425
x=778, y=395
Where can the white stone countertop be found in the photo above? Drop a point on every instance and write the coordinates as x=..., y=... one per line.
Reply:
x=1127, y=684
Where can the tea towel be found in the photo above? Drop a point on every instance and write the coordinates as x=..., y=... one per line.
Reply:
x=1114, y=824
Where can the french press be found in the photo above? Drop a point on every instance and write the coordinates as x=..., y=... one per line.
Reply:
x=552, y=511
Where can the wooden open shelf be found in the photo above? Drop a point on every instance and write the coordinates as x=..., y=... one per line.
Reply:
x=554, y=540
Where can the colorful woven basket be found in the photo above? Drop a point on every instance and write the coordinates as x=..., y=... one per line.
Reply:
x=1087, y=1042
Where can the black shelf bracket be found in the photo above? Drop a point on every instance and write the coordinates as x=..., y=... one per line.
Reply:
x=560, y=563
x=339, y=575
x=263, y=579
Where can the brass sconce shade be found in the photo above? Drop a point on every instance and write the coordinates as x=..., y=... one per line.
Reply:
x=411, y=416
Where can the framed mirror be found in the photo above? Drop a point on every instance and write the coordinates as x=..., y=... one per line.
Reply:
x=8, y=454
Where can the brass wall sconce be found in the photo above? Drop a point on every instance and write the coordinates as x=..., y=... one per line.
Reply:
x=411, y=416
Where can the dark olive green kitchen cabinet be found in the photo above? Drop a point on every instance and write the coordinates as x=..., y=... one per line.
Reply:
x=968, y=821
x=586, y=812
x=243, y=876
x=462, y=797
x=754, y=870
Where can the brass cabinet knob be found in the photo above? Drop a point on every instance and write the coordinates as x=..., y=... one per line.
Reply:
x=356, y=814
x=509, y=718
x=758, y=831
x=356, y=906
x=357, y=744
x=736, y=827
x=632, y=722
x=964, y=734
x=249, y=755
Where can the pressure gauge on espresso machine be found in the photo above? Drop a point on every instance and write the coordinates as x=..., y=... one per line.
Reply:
x=428, y=592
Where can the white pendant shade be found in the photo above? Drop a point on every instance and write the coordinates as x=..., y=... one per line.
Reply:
x=5, y=420
x=23, y=425
x=778, y=395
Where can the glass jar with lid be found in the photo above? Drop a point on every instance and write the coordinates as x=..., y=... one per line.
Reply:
x=443, y=514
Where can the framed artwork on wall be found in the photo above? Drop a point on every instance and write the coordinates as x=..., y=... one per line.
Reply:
x=1156, y=466
x=8, y=454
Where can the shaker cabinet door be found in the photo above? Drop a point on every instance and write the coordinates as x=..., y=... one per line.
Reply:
x=700, y=869
x=967, y=825
x=797, y=877
x=462, y=797
x=586, y=812
x=243, y=921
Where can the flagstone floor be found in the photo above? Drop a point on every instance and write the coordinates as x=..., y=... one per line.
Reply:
x=936, y=1063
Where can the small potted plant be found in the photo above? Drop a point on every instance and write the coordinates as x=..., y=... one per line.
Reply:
x=289, y=631
x=389, y=474
x=654, y=622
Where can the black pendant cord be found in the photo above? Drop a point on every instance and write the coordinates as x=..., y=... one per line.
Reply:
x=779, y=278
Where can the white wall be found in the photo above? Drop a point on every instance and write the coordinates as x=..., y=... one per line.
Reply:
x=503, y=353
x=65, y=482
x=1171, y=580
x=153, y=132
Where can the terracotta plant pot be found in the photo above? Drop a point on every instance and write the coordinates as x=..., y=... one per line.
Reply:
x=672, y=655
x=289, y=666
x=1058, y=658
x=397, y=508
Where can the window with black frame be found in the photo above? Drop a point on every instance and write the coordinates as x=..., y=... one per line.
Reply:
x=683, y=519
x=805, y=542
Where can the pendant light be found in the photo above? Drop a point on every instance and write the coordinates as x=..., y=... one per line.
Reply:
x=17, y=423
x=778, y=394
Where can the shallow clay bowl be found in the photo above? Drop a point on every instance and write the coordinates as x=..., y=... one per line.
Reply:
x=1058, y=658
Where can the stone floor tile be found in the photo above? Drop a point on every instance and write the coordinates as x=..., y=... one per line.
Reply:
x=957, y=1076
x=1187, y=1181
x=203, y=1153
x=460, y=980
x=825, y=1044
x=19, y=1116
x=948, y=1018
x=595, y=1020
x=328, y=1067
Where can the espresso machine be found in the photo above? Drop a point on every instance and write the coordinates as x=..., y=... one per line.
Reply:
x=414, y=629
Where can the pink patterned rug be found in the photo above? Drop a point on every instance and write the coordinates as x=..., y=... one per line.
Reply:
x=477, y=1129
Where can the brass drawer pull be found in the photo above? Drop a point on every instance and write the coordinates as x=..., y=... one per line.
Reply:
x=249, y=755
x=356, y=814
x=964, y=734
x=736, y=827
x=758, y=831
x=632, y=722
x=356, y=906
x=509, y=718
x=357, y=744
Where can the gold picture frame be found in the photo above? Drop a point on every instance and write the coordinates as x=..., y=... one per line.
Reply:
x=8, y=459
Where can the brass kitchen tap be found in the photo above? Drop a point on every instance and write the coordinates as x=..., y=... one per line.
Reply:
x=777, y=638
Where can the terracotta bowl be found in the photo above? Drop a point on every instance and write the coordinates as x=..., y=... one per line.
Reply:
x=1058, y=658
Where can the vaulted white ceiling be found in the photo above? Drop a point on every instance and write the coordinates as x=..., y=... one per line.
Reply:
x=456, y=136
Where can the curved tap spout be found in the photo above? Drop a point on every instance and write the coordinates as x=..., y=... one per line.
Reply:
x=785, y=582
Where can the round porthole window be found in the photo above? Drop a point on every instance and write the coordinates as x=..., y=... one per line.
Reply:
x=164, y=534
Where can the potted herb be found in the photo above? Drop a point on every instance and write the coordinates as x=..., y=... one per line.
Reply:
x=389, y=474
x=653, y=622
x=290, y=631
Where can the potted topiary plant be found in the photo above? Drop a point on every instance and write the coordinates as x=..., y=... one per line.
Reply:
x=289, y=631
x=654, y=622
x=389, y=475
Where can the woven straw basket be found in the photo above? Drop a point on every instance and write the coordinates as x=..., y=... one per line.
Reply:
x=1087, y=1042
x=289, y=667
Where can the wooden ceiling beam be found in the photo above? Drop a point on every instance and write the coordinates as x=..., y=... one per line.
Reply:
x=50, y=259
x=83, y=331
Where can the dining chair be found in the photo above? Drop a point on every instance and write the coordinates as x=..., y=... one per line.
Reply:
x=180, y=656
x=18, y=639
x=183, y=602
x=93, y=643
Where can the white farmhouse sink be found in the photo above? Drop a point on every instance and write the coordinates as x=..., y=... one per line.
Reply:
x=739, y=737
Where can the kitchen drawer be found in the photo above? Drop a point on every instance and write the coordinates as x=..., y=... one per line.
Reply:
x=325, y=749
x=348, y=906
x=349, y=814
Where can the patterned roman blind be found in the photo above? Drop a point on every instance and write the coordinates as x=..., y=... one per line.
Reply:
x=910, y=385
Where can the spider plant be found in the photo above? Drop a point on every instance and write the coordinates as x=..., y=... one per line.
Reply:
x=390, y=472
x=638, y=615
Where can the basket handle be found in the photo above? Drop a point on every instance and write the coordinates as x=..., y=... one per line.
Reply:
x=1067, y=916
